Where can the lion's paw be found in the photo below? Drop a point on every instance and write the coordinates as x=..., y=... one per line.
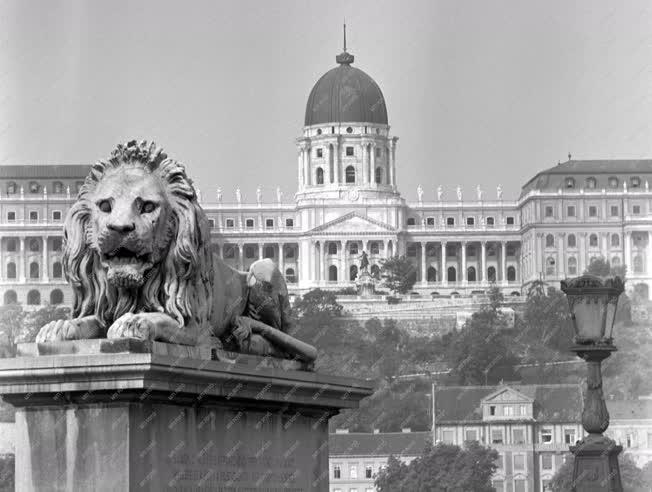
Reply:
x=59, y=330
x=132, y=326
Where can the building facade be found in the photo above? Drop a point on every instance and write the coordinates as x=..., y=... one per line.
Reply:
x=347, y=201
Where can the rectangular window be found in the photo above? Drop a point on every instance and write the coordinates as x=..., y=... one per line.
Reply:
x=430, y=221
x=523, y=409
x=510, y=220
x=499, y=485
x=470, y=221
x=289, y=223
x=570, y=211
x=378, y=152
x=496, y=436
x=211, y=223
x=249, y=223
x=448, y=436
x=450, y=221
x=368, y=471
x=56, y=215
x=518, y=436
x=349, y=152
x=545, y=486
x=320, y=153
x=11, y=216
x=229, y=251
x=614, y=210
x=508, y=410
x=549, y=211
x=492, y=410
x=471, y=435
x=546, y=461
x=337, y=472
x=593, y=211
x=569, y=436
x=519, y=462
x=649, y=440
x=33, y=216
x=636, y=209
x=499, y=461
x=230, y=223
x=519, y=485
x=269, y=223
x=546, y=436
x=353, y=471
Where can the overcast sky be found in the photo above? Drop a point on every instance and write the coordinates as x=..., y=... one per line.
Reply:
x=479, y=91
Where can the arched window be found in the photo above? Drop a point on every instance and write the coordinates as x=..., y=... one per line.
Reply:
x=635, y=182
x=470, y=274
x=593, y=240
x=353, y=248
x=10, y=297
x=375, y=271
x=12, y=189
x=56, y=297
x=615, y=261
x=615, y=240
x=550, y=241
x=11, y=270
x=33, y=297
x=320, y=176
x=491, y=274
x=642, y=291
x=57, y=187
x=350, y=174
x=638, y=264
x=332, y=273
x=591, y=183
x=374, y=248
x=379, y=175
x=511, y=274
x=572, y=241
x=34, y=270
x=353, y=272
x=57, y=270
x=332, y=248
x=290, y=277
x=550, y=266
x=452, y=274
x=613, y=182
x=570, y=183
x=572, y=266
x=432, y=274
x=269, y=252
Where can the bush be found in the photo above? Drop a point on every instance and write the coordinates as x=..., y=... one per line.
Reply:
x=7, y=471
x=393, y=300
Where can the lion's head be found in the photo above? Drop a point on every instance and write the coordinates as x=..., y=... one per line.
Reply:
x=137, y=240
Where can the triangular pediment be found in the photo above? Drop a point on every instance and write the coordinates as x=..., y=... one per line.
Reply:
x=354, y=222
x=507, y=395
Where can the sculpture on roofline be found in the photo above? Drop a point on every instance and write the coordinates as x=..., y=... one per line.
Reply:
x=420, y=193
x=440, y=193
x=459, y=192
x=499, y=192
x=219, y=195
x=478, y=192
x=259, y=195
x=279, y=194
x=238, y=195
x=137, y=253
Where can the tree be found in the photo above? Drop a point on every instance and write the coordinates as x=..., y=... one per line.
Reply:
x=7, y=474
x=398, y=273
x=630, y=475
x=547, y=322
x=442, y=468
x=18, y=325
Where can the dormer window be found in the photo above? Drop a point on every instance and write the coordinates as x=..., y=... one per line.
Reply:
x=570, y=183
x=635, y=182
x=591, y=183
x=546, y=435
x=11, y=188
x=34, y=187
x=57, y=187
x=613, y=182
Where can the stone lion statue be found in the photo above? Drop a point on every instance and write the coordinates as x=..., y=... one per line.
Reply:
x=138, y=255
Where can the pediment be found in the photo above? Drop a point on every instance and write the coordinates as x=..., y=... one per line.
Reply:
x=354, y=222
x=507, y=395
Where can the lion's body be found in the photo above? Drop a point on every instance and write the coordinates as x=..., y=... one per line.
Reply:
x=229, y=301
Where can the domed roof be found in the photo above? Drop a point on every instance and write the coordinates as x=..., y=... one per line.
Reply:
x=345, y=94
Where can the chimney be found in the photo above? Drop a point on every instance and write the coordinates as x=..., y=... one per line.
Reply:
x=376, y=431
x=406, y=430
x=341, y=431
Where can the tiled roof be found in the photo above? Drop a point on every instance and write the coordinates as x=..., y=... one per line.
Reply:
x=60, y=171
x=552, y=402
x=6, y=412
x=629, y=409
x=381, y=444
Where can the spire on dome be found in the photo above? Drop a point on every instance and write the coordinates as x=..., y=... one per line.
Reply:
x=344, y=58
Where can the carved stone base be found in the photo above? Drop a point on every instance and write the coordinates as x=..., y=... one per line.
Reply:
x=126, y=416
x=596, y=465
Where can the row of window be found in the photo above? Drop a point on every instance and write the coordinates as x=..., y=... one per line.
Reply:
x=450, y=221
x=231, y=251
x=613, y=182
x=349, y=151
x=33, y=297
x=518, y=436
x=353, y=471
x=349, y=129
x=33, y=216
x=571, y=241
x=638, y=264
x=349, y=175
x=593, y=211
x=34, y=270
x=251, y=223
x=35, y=187
x=34, y=244
x=452, y=250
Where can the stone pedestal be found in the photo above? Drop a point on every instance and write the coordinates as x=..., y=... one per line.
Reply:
x=121, y=415
x=366, y=284
x=596, y=465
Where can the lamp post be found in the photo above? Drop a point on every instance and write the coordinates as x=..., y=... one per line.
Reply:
x=593, y=302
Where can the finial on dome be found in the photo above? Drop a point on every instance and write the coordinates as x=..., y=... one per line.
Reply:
x=344, y=58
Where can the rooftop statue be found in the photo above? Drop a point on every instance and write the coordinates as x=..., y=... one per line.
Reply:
x=138, y=255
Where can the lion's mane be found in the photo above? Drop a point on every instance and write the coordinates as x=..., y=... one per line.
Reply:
x=180, y=285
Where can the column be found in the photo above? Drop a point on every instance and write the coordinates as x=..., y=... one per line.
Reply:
x=372, y=171
x=312, y=263
x=392, y=163
x=322, y=261
x=344, y=275
x=386, y=248
x=307, y=166
x=464, y=273
x=222, y=245
x=22, y=259
x=301, y=169
x=241, y=256
x=45, y=267
x=365, y=166
x=260, y=250
x=281, y=258
x=424, y=252
x=337, y=162
x=2, y=260
x=503, y=258
x=444, y=277
x=581, y=253
x=483, y=261
x=628, y=251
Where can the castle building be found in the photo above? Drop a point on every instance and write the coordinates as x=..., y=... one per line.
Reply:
x=347, y=201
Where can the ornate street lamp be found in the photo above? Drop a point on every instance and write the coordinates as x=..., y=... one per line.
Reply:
x=593, y=302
